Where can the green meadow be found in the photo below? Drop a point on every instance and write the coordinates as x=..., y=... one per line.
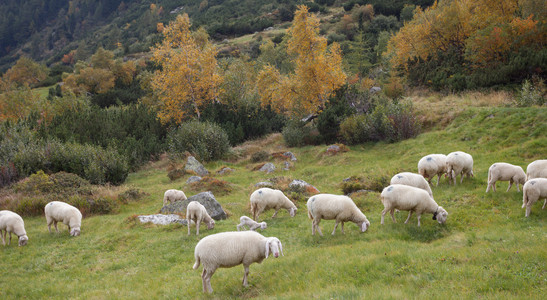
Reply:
x=486, y=249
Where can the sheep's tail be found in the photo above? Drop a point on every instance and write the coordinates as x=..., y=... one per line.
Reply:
x=253, y=210
x=489, y=175
x=196, y=265
x=310, y=209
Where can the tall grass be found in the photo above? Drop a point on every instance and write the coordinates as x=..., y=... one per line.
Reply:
x=487, y=248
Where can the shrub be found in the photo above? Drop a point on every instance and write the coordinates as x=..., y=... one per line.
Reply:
x=260, y=156
x=370, y=182
x=212, y=184
x=296, y=134
x=532, y=93
x=131, y=194
x=206, y=141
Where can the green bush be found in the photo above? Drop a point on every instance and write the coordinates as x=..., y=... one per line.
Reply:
x=260, y=156
x=532, y=93
x=206, y=141
x=296, y=134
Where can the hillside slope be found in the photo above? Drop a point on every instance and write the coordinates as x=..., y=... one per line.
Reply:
x=486, y=249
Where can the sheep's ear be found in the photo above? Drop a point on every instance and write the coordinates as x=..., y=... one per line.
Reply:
x=267, y=247
x=435, y=216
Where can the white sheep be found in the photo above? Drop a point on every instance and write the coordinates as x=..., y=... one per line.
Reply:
x=253, y=225
x=537, y=169
x=505, y=172
x=404, y=197
x=196, y=212
x=229, y=249
x=266, y=198
x=57, y=211
x=431, y=165
x=173, y=195
x=459, y=163
x=12, y=222
x=532, y=191
x=412, y=179
x=335, y=207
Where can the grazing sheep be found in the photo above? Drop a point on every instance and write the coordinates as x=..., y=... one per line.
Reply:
x=229, y=249
x=196, y=212
x=431, y=165
x=537, y=169
x=404, y=197
x=459, y=163
x=246, y=221
x=266, y=198
x=12, y=222
x=412, y=179
x=335, y=207
x=57, y=211
x=505, y=172
x=172, y=196
x=532, y=191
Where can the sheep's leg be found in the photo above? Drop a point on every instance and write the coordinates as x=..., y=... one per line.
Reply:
x=383, y=214
x=510, y=185
x=419, y=217
x=409, y=215
x=335, y=225
x=488, y=187
x=207, y=281
x=197, y=226
x=494, y=187
x=544, y=202
x=528, y=209
x=9, y=242
x=518, y=190
x=3, y=238
x=239, y=227
x=55, y=225
x=316, y=223
x=392, y=213
x=203, y=280
x=438, y=179
x=245, y=275
x=189, y=223
x=342, y=227
x=275, y=213
x=461, y=178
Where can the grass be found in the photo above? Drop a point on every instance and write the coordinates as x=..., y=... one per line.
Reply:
x=487, y=248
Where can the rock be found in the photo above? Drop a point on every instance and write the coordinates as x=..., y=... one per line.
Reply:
x=193, y=165
x=207, y=199
x=264, y=184
x=287, y=166
x=225, y=170
x=193, y=179
x=267, y=167
x=375, y=89
x=290, y=155
x=298, y=185
x=160, y=219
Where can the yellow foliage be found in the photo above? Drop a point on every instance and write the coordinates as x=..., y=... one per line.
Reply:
x=189, y=77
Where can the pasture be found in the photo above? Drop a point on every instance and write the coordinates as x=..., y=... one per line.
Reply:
x=486, y=249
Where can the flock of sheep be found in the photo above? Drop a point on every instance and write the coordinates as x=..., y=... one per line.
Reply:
x=407, y=192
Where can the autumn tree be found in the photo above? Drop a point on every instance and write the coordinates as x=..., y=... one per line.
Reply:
x=188, y=79
x=317, y=73
x=25, y=72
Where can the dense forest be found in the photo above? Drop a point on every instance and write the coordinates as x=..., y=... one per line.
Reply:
x=97, y=88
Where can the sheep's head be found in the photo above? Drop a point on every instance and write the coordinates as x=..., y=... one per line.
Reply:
x=364, y=225
x=292, y=211
x=211, y=224
x=75, y=231
x=23, y=240
x=440, y=215
x=263, y=225
x=274, y=246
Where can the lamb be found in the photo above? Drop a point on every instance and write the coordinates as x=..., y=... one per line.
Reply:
x=459, y=163
x=537, y=169
x=57, y=211
x=506, y=172
x=431, y=165
x=172, y=196
x=196, y=212
x=229, y=249
x=532, y=191
x=12, y=222
x=246, y=221
x=404, y=197
x=266, y=198
x=335, y=207
x=412, y=179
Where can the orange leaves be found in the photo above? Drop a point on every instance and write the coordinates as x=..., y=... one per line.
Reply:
x=189, y=76
x=317, y=72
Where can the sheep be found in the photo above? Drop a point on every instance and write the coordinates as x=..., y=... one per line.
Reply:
x=229, y=249
x=265, y=198
x=431, y=165
x=537, y=169
x=532, y=191
x=172, y=196
x=246, y=221
x=412, y=179
x=506, y=172
x=12, y=222
x=459, y=163
x=196, y=212
x=57, y=211
x=335, y=207
x=404, y=197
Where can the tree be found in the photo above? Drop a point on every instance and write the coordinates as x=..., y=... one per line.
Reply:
x=317, y=74
x=189, y=77
x=25, y=72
